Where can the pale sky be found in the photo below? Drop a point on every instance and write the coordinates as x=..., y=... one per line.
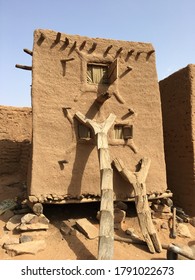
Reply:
x=168, y=24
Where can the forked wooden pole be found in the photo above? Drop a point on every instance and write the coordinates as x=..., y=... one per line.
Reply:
x=137, y=180
x=106, y=232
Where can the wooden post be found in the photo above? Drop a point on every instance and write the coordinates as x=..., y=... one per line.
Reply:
x=106, y=233
x=173, y=229
x=24, y=67
x=58, y=36
x=93, y=47
x=28, y=51
x=137, y=180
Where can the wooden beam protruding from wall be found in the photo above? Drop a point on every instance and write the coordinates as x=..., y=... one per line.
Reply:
x=41, y=39
x=139, y=52
x=43, y=36
x=74, y=45
x=63, y=62
x=28, y=51
x=119, y=50
x=130, y=52
x=108, y=49
x=129, y=68
x=58, y=37
x=131, y=111
x=66, y=42
x=67, y=59
x=150, y=52
x=24, y=67
x=82, y=45
x=93, y=47
x=67, y=114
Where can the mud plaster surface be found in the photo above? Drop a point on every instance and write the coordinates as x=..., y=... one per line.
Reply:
x=177, y=95
x=55, y=139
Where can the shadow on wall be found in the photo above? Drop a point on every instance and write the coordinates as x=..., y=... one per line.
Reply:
x=14, y=158
x=81, y=159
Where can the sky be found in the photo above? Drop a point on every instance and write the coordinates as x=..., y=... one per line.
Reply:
x=168, y=24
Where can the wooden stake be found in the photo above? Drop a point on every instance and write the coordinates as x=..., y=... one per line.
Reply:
x=58, y=36
x=109, y=48
x=24, y=67
x=139, y=52
x=43, y=37
x=129, y=68
x=28, y=51
x=119, y=50
x=68, y=115
x=93, y=47
x=83, y=45
x=131, y=51
x=173, y=230
x=67, y=59
x=150, y=52
x=66, y=41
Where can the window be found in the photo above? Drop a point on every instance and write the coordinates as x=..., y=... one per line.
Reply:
x=97, y=74
x=102, y=73
x=84, y=132
x=123, y=131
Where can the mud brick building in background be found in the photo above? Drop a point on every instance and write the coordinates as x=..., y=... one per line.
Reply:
x=178, y=109
x=15, y=143
x=94, y=77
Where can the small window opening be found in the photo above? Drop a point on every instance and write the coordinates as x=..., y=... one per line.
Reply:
x=123, y=131
x=97, y=74
x=84, y=132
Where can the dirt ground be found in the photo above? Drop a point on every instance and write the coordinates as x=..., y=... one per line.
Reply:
x=60, y=247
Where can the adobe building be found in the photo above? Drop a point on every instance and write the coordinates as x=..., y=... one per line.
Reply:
x=178, y=105
x=79, y=80
x=15, y=143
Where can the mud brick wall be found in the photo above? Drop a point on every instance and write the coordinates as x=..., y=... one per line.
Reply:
x=59, y=80
x=15, y=140
x=177, y=97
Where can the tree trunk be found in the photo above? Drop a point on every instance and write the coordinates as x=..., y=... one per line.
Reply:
x=106, y=233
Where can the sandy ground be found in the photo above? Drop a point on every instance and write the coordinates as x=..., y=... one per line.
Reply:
x=78, y=247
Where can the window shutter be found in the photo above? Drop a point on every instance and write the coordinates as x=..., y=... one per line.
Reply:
x=113, y=71
x=118, y=131
x=128, y=132
x=97, y=73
